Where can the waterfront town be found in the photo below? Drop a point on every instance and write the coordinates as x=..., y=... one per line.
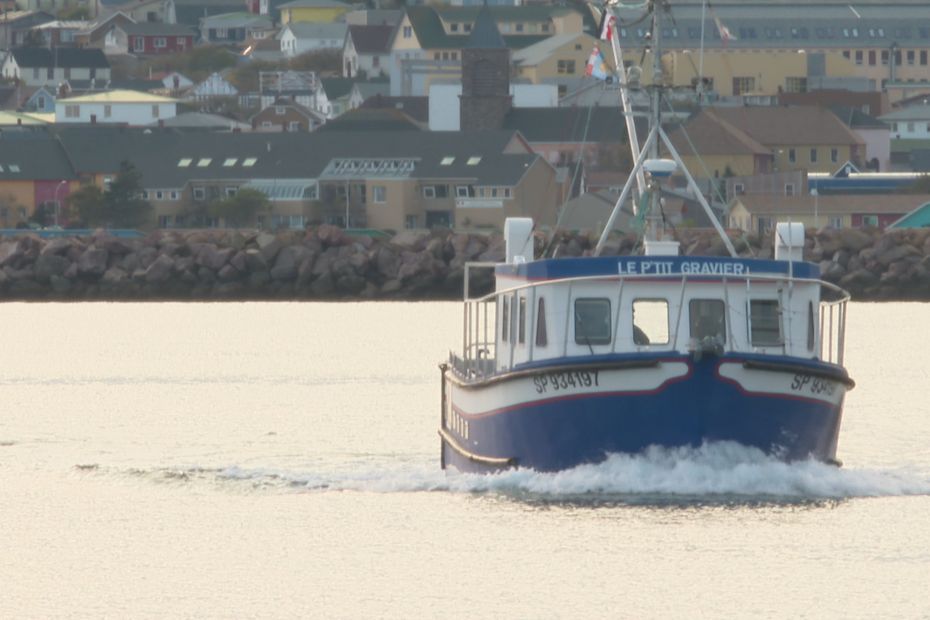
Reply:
x=386, y=117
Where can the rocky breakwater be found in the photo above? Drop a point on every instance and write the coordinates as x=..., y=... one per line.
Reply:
x=325, y=263
x=321, y=263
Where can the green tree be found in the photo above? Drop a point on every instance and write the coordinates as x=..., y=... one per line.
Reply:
x=920, y=186
x=241, y=209
x=324, y=62
x=88, y=202
x=123, y=203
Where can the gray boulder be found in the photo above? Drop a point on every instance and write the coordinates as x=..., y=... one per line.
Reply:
x=48, y=265
x=160, y=269
x=93, y=262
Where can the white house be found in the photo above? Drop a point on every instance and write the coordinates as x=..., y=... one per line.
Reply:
x=302, y=37
x=116, y=106
x=367, y=50
x=37, y=66
x=214, y=86
x=910, y=123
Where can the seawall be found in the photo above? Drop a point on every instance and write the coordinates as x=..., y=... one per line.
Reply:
x=326, y=264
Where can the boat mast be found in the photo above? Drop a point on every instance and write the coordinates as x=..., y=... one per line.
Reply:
x=653, y=216
x=650, y=150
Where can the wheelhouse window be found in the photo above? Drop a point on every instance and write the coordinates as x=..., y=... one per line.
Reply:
x=650, y=321
x=521, y=334
x=505, y=319
x=707, y=319
x=765, y=323
x=592, y=321
x=811, y=329
x=542, y=338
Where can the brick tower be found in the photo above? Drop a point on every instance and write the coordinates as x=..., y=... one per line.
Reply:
x=485, y=98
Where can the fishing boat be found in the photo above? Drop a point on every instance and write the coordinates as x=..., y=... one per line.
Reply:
x=570, y=360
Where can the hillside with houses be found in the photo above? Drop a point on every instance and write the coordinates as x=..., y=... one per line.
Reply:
x=456, y=115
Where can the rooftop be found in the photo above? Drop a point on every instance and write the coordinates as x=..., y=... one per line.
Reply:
x=120, y=96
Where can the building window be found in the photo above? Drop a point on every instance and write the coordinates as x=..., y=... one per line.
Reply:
x=161, y=42
x=199, y=193
x=429, y=191
x=592, y=321
x=174, y=195
x=410, y=221
x=789, y=189
x=72, y=111
x=521, y=321
x=871, y=58
x=870, y=220
x=138, y=44
x=739, y=189
x=764, y=322
x=505, y=319
x=266, y=125
x=408, y=32
x=506, y=192
x=834, y=155
x=378, y=194
x=107, y=111
x=796, y=85
x=792, y=156
x=743, y=85
x=231, y=191
x=884, y=57
x=836, y=222
x=566, y=67
x=923, y=58
x=159, y=195
x=279, y=110
x=813, y=156
x=155, y=111
x=35, y=73
x=293, y=126
x=461, y=191
x=454, y=27
x=858, y=57
x=708, y=319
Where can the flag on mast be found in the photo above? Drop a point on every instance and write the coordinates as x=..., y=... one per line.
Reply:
x=608, y=22
x=597, y=66
x=725, y=35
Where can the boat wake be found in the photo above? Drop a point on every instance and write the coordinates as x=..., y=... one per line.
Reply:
x=713, y=473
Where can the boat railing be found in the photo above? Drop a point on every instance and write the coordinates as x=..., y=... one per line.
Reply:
x=833, y=325
x=480, y=325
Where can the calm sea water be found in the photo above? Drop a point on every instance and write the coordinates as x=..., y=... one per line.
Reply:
x=281, y=460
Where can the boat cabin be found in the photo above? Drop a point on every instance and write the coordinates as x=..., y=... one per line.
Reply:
x=556, y=310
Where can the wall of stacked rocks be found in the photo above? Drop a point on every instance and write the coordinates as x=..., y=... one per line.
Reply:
x=326, y=264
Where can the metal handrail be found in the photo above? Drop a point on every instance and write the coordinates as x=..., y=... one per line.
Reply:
x=830, y=350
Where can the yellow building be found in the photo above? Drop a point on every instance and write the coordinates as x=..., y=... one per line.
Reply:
x=560, y=56
x=427, y=44
x=749, y=140
x=759, y=213
x=323, y=11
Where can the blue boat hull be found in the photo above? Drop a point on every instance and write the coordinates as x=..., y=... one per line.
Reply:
x=789, y=412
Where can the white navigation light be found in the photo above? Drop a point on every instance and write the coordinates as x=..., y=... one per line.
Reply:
x=660, y=168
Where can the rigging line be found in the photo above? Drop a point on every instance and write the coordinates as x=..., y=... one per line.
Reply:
x=694, y=151
x=578, y=167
